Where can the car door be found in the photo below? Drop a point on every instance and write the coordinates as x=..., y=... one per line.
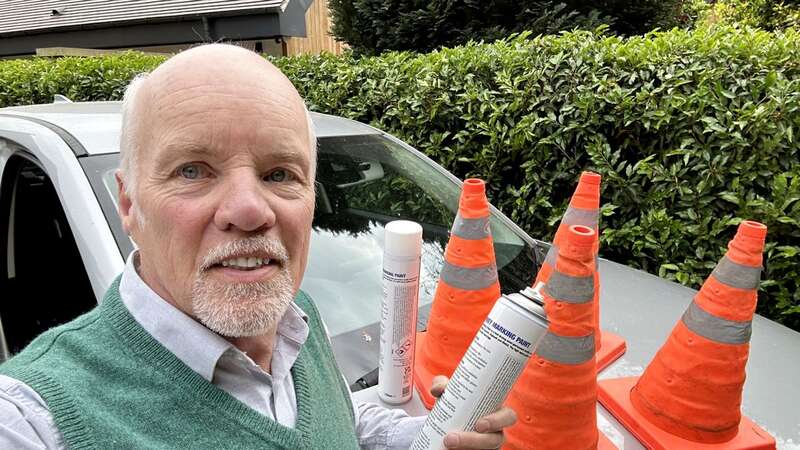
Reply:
x=52, y=264
x=44, y=283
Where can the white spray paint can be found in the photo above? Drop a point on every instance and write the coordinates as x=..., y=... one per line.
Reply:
x=401, y=260
x=487, y=372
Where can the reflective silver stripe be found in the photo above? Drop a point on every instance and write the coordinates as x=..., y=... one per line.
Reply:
x=469, y=279
x=472, y=229
x=552, y=255
x=712, y=327
x=737, y=275
x=566, y=350
x=570, y=289
x=579, y=216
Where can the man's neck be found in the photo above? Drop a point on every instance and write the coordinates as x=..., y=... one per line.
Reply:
x=258, y=348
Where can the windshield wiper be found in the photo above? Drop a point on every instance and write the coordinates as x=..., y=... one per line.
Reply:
x=368, y=380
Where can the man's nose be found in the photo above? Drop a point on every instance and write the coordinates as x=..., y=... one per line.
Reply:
x=245, y=205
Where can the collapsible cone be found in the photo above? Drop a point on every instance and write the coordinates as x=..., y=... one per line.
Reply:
x=467, y=290
x=691, y=393
x=584, y=209
x=556, y=396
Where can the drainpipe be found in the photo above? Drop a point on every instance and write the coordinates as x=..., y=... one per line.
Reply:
x=208, y=33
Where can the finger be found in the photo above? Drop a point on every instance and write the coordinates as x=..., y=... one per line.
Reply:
x=496, y=421
x=438, y=384
x=473, y=440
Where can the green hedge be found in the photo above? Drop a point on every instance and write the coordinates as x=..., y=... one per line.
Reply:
x=36, y=80
x=766, y=14
x=692, y=132
x=371, y=27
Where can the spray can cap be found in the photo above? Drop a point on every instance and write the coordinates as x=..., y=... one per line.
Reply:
x=403, y=238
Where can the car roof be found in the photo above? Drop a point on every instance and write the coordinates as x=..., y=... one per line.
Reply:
x=96, y=125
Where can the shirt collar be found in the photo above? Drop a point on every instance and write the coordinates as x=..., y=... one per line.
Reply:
x=193, y=343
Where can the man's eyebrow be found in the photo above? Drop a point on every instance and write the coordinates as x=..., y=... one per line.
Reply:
x=174, y=151
x=284, y=155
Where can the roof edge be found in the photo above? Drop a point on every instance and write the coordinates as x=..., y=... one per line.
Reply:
x=159, y=19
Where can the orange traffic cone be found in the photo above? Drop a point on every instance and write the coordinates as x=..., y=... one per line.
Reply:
x=691, y=393
x=467, y=290
x=556, y=396
x=584, y=209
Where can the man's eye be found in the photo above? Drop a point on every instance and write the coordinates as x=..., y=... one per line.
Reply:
x=192, y=171
x=278, y=176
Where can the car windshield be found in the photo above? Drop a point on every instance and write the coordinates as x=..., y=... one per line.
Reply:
x=364, y=182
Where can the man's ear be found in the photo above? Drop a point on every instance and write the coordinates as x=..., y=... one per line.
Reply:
x=125, y=205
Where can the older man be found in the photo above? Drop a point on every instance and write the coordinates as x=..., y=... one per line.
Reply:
x=205, y=341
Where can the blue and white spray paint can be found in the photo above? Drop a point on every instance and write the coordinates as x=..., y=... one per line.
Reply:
x=490, y=367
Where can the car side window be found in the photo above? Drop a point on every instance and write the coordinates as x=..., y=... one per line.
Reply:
x=43, y=282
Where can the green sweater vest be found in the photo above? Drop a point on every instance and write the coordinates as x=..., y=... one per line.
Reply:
x=110, y=384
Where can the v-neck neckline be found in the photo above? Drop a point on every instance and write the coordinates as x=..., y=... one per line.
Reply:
x=152, y=352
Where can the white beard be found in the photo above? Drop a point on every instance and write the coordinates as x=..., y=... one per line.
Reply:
x=243, y=309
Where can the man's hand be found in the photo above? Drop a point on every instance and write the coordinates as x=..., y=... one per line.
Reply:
x=488, y=432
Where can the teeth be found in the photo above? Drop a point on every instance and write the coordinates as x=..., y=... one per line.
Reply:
x=245, y=262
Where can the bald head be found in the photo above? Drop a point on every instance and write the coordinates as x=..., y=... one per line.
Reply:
x=195, y=85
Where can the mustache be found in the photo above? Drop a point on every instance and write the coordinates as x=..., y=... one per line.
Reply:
x=254, y=245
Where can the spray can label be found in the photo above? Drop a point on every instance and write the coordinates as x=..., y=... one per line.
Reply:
x=488, y=370
x=398, y=328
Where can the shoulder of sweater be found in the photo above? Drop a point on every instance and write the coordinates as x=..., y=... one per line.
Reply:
x=45, y=341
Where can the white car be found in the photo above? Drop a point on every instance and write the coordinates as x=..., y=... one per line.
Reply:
x=62, y=244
